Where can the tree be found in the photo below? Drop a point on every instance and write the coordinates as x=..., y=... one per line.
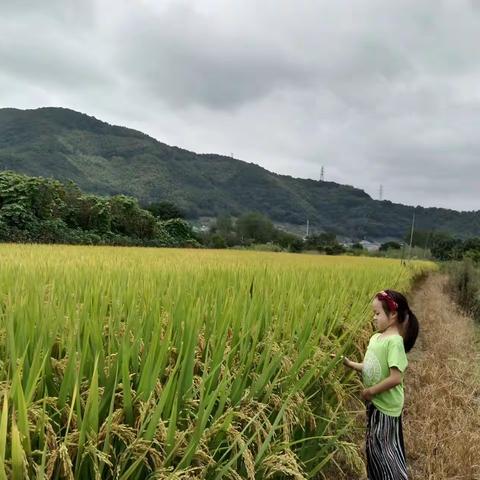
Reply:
x=255, y=227
x=94, y=213
x=47, y=198
x=390, y=246
x=16, y=215
x=165, y=210
x=224, y=225
x=178, y=229
x=324, y=242
x=289, y=241
x=473, y=254
x=335, y=249
x=223, y=228
x=35, y=209
x=447, y=248
x=129, y=219
x=471, y=249
x=217, y=241
x=420, y=237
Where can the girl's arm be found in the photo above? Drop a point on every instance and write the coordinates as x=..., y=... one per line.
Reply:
x=353, y=365
x=394, y=379
x=348, y=363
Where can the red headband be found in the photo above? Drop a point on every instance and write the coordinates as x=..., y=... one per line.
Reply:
x=392, y=304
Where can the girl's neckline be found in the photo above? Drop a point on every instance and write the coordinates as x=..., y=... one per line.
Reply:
x=379, y=335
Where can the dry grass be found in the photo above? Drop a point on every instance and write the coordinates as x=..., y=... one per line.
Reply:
x=442, y=411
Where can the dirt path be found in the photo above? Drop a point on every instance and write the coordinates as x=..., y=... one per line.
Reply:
x=442, y=410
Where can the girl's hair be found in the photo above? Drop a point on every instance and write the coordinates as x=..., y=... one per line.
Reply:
x=406, y=318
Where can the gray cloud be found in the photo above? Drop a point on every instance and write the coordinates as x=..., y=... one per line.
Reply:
x=183, y=59
x=377, y=92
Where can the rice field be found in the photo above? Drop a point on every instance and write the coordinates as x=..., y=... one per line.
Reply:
x=129, y=363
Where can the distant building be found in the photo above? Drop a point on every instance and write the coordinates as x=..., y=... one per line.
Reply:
x=370, y=246
x=201, y=228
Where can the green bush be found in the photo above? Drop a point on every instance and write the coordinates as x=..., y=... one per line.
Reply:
x=217, y=241
x=34, y=209
x=390, y=246
x=464, y=284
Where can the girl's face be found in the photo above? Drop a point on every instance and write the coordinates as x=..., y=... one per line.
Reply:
x=380, y=319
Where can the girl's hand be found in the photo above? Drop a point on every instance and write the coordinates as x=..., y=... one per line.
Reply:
x=345, y=360
x=348, y=363
x=367, y=394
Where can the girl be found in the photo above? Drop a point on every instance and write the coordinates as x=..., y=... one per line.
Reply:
x=382, y=369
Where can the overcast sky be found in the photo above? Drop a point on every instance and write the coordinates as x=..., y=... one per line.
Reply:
x=377, y=92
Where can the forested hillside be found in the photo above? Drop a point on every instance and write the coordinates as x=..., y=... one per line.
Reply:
x=109, y=160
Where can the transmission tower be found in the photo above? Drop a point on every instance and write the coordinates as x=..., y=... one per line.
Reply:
x=380, y=192
x=322, y=174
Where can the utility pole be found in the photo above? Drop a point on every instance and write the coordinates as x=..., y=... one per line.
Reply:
x=427, y=243
x=411, y=235
x=308, y=228
x=402, y=260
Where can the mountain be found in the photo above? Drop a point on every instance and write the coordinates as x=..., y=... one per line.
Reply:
x=106, y=159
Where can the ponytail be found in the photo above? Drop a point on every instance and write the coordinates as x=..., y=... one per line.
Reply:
x=395, y=301
x=410, y=330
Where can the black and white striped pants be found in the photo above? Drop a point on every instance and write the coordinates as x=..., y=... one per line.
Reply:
x=384, y=446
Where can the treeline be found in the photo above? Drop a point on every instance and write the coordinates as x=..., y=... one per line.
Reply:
x=247, y=230
x=445, y=247
x=42, y=210
x=253, y=229
x=36, y=209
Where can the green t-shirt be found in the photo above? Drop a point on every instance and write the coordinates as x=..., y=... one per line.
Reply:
x=382, y=354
